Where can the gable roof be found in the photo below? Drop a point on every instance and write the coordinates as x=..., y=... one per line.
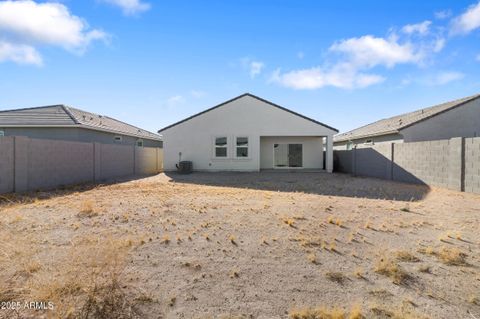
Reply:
x=394, y=124
x=255, y=97
x=66, y=116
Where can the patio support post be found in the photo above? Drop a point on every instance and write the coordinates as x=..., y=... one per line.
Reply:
x=329, y=154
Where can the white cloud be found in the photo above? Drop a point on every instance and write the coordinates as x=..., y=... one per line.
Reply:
x=443, y=14
x=21, y=54
x=468, y=21
x=256, y=68
x=175, y=100
x=340, y=76
x=420, y=28
x=438, y=44
x=130, y=7
x=25, y=24
x=443, y=78
x=369, y=51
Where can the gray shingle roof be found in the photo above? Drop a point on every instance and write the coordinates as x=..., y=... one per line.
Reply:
x=395, y=124
x=62, y=115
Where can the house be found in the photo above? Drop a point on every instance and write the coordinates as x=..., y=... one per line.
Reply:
x=459, y=118
x=248, y=133
x=61, y=122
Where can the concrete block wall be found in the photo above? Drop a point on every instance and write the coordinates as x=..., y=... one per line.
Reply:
x=472, y=165
x=453, y=163
x=422, y=162
x=33, y=164
x=7, y=176
x=374, y=161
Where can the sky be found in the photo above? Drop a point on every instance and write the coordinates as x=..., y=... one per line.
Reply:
x=152, y=63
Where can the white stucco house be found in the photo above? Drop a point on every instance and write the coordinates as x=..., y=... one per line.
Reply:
x=458, y=118
x=248, y=133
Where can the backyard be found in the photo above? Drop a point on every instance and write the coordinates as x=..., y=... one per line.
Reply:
x=241, y=245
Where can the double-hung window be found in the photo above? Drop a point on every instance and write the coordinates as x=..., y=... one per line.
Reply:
x=241, y=146
x=221, y=146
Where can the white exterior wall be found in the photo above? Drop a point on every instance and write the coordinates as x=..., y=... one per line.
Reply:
x=462, y=121
x=246, y=116
x=312, y=150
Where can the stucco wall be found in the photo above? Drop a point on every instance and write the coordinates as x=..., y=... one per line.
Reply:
x=31, y=164
x=462, y=121
x=246, y=116
x=76, y=135
x=312, y=150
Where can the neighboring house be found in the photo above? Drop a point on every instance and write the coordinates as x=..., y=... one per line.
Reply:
x=459, y=118
x=61, y=122
x=248, y=133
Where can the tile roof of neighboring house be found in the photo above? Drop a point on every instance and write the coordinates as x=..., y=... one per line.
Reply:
x=255, y=97
x=65, y=116
x=395, y=124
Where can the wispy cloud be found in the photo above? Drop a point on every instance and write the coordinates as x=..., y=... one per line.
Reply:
x=175, y=101
x=130, y=7
x=467, y=21
x=19, y=53
x=26, y=24
x=418, y=28
x=355, y=56
x=254, y=67
x=443, y=78
x=443, y=14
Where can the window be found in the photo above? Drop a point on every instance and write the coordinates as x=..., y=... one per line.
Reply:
x=2, y=133
x=242, y=147
x=349, y=146
x=140, y=143
x=117, y=139
x=221, y=147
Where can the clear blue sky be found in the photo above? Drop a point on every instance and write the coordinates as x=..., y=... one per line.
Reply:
x=151, y=63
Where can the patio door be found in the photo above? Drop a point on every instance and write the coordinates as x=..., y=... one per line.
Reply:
x=287, y=155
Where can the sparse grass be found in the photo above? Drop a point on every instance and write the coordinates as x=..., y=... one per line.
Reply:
x=312, y=258
x=335, y=276
x=452, y=256
x=388, y=266
x=327, y=313
x=317, y=313
x=448, y=255
x=406, y=256
x=87, y=209
x=474, y=300
x=89, y=282
x=425, y=269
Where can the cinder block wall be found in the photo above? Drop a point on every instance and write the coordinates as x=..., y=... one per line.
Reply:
x=33, y=164
x=422, y=162
x=472, y=165
x=453, y=163
x=6, y=165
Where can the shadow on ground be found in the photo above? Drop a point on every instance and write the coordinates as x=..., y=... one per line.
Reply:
x=319, y=183
x=31, y=196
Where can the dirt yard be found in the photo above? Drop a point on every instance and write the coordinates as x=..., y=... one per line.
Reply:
x=253, y=245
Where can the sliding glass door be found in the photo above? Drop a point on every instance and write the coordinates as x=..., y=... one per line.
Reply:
x=287, y=155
